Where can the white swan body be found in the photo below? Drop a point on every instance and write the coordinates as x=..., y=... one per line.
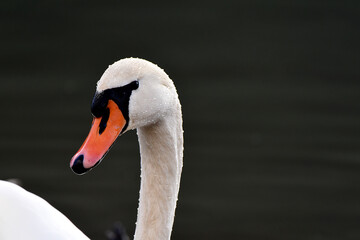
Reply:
x=24, y=215
x=132, y=93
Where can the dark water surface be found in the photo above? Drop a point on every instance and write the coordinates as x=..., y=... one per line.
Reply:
x=271, y=104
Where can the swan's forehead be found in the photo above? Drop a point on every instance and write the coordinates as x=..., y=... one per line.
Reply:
x=128, y=70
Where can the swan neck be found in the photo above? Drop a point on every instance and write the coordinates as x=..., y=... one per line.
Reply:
x=161, y=149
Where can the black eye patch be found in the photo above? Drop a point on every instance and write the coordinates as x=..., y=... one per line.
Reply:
x=120, y=95
x=99, y=104
x=103, y=122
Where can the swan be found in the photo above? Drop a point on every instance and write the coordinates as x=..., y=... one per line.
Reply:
x=136, y=94
x=131, y=94
x=24, y=215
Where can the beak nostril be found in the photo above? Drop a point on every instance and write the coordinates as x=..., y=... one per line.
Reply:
x=78, y=166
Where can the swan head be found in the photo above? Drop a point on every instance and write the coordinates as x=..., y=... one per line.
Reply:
x=132, y=93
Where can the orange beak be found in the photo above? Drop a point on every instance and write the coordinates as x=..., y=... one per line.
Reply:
x=103, y=133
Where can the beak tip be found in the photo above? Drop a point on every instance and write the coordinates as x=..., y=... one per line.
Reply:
x=78, y=166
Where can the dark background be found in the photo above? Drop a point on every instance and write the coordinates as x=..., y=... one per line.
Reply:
x=271, y=105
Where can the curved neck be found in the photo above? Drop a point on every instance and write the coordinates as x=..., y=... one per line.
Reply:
x=161, y=149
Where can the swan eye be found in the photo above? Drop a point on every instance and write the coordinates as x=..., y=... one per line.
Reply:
x=135, y=84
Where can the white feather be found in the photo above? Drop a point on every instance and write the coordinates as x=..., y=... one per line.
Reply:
x=24, y=215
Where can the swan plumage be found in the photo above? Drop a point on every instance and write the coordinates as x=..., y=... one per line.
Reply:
x=24, y=215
